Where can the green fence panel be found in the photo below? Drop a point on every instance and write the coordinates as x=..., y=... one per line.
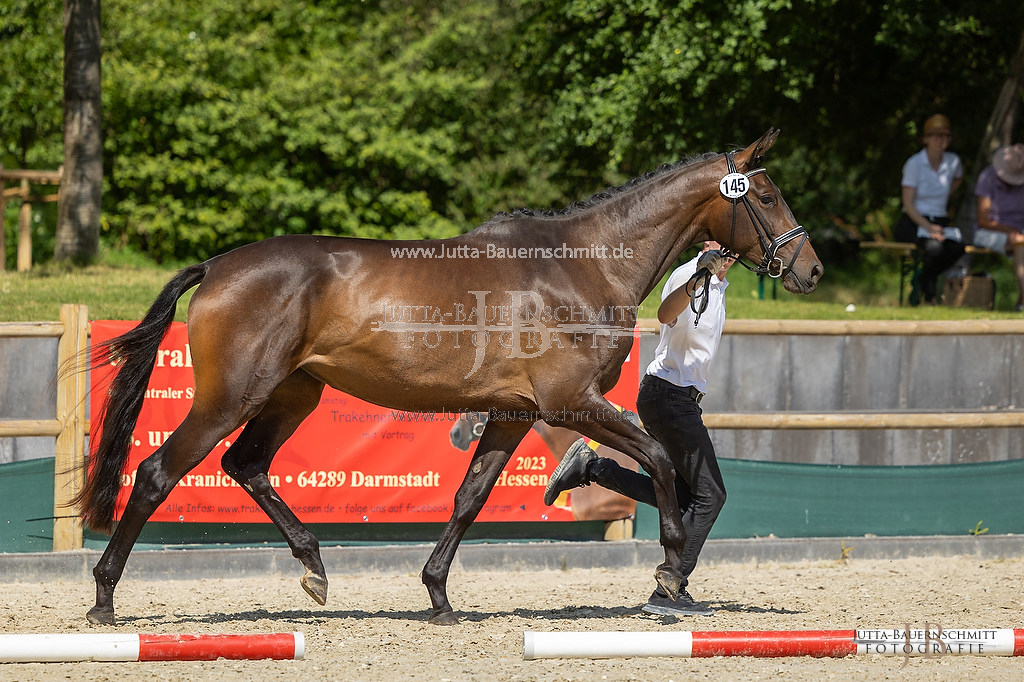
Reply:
x=156, y=535
x=765, y=498
x=26, y=506
x=814, y=500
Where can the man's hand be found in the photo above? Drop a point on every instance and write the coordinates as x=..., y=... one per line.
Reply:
x=712, y=261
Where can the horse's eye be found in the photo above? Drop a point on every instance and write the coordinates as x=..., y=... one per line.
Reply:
x=767, y=200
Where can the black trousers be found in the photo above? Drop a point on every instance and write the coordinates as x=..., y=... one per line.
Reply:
x=674, y=419
x=936, y=256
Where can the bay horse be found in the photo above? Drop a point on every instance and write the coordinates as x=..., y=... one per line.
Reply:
x=275, y=321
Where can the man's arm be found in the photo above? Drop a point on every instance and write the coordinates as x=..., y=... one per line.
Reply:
x=675, y=303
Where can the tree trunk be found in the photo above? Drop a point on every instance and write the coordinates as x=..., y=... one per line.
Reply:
x=78, y=223
x=998, y=133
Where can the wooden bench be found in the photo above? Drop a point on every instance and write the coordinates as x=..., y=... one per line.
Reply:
x=910, y=262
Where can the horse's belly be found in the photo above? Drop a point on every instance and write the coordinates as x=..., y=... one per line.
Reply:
x=441, y=371
x=425, y=388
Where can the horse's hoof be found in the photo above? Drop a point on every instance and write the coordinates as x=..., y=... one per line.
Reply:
x=316, y=587
x=100, y=616
x=669, y=582
x=443, y=618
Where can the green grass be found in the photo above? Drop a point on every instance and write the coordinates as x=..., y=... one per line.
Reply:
x=123, y=287
x=112, y=293
x=871, y=284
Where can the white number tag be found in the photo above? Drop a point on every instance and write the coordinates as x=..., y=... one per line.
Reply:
x=734, y=185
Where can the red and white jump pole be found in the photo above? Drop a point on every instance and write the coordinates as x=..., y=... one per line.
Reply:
x=68, y=648
x=769, y=644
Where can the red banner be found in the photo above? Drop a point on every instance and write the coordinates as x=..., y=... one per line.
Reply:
x=349, y=462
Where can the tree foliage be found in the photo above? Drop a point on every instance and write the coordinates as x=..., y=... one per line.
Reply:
x=226, y=122
x=31, y=116
x=849, y=84
x=366, y=120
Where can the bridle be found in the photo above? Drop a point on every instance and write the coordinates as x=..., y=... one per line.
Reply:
x=771, y=264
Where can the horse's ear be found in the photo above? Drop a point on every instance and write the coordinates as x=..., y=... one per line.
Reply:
x=752, y=157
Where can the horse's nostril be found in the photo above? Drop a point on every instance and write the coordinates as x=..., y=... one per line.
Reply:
x=816, y=272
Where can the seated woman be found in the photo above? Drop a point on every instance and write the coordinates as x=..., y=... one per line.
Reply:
x=1000, y=192
x=929, y=178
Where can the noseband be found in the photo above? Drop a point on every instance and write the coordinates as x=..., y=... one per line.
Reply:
x=771, y=264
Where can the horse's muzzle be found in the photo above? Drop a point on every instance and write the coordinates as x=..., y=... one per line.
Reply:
x=797, y=283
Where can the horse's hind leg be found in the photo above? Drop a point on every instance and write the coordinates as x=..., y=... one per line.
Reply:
x=248, y=462
x=156, y=477
x=496, y=445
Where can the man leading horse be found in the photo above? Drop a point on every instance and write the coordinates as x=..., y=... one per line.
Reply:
x=692, y=316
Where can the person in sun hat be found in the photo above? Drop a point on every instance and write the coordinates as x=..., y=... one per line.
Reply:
x=929, y=178
x=1000, y=192
x=669, y=407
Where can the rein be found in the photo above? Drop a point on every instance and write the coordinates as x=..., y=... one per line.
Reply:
x=771, y=264
x=703, y=295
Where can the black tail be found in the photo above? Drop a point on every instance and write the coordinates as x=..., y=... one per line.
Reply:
x=135, y=354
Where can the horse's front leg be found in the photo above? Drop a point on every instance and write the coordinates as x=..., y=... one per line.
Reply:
x=496, y=445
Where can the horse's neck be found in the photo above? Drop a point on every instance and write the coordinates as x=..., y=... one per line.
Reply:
x=657, y=221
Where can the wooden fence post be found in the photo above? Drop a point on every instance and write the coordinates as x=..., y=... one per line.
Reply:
x=3, y=222
x=69, y=465
x=3, y=233
x=25, y=230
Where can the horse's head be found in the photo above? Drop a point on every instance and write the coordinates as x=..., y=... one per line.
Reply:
x=750, y=218
x=467, y=429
